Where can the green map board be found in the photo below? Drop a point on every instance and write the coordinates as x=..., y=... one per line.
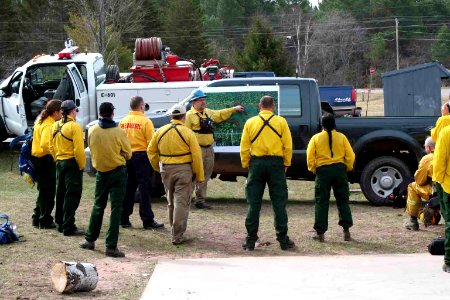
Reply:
x=229, y=132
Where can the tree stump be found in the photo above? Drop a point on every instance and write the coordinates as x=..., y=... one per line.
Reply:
x=69, y=277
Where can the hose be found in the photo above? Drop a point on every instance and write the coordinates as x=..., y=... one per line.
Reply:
x=148, y=48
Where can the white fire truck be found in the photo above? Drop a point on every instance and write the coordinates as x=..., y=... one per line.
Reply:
x=157, y=75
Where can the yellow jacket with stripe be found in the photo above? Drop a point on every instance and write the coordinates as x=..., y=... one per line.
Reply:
x=424, y=173
x=168, y=147
x=193, y=122
x=441, y=165
x=67, y=149
x=139, y=130
x=440, y=124
x=318, y=152
x=42, y=137
x=268, y=143
x=109, y=147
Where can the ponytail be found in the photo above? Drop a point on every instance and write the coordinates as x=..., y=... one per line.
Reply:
x=329, y=124
x=51, y=107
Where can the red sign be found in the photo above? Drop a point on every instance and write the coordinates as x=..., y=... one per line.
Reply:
x=371, y=70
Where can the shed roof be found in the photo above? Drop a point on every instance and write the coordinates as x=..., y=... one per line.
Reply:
x=445, y=73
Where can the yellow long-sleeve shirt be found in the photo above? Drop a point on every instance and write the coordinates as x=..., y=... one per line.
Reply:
x=440, y=124
x=109, y=148
x=66, y=149
x=42, y=137
x=441, y=165
x=318, y=152
x=139, y=130
x=166, y=141
x=193, y=122
x=425, y=170
x=268, y=142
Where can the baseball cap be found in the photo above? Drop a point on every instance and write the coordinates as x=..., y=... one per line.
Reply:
x=68, y=105
x=106, y=109
x=178, y=110
x=197, y=94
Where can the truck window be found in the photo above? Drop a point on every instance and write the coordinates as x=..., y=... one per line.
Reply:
x=291, y=102
x=79, y=82
x=99, y=71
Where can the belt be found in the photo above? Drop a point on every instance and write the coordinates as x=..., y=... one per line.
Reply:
x=140, y=152
x=205, y=146
x=176, y=164
x=266, y=156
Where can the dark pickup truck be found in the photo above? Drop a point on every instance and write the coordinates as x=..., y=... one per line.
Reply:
x=342, y=99
x=387, y=148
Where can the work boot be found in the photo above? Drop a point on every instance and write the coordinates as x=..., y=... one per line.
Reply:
x=153, y=225
x=412, y=224
x=446, y=268
x=48, y=226
x=114, y=252
x=249, y=244
x=287, y=244
x=126, y=224
x=320, y=237
x=347, y=236
x=87, y=245
x=202, y=205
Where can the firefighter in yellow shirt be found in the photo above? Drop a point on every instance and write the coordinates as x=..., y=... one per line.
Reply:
x=330, y=157
x=175, y=152
x=441, y=177
x=201, y=120
x=44, y=164
x=68, y=145
x=110, y=149
x=421, y=188
x=139, y=130
x=266, y=150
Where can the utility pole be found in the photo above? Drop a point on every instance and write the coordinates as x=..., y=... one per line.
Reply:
x=297, y=68
x=396, y=40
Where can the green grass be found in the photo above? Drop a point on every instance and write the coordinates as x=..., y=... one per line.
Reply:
x=25, y=266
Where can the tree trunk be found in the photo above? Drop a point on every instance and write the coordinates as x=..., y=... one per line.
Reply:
x=69, y=277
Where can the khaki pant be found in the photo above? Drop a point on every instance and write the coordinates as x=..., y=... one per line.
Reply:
x=177, y=181
x=415, y=195
x=208, y=166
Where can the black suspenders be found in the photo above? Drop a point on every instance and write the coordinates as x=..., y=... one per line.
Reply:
x=173, y=126
x=266, y=123
x=59, y=131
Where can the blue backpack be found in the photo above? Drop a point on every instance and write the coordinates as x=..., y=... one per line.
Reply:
x=25, y=164
x=7, y=234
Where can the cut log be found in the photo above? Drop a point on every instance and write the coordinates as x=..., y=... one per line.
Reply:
x=69, y=277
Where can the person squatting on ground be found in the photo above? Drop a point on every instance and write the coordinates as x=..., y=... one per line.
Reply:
x=110, y=149
x=421, y=188
x=266, y=150
x=175, y=153
x=201, y=120
x=442, y=122
x=139, y=130
x=68, y=145
x=441, y=177
x=330, y=156
x=42, y=157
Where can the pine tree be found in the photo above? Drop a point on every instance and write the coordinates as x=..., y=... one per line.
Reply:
x=185, y=30
x=263, y=51
x=441, y=47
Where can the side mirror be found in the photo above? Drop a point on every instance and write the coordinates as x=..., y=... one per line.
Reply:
x=77, y=102
x=2, y=93
x=147, y=107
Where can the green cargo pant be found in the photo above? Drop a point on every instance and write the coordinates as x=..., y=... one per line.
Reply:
x=45, y=169
x=270, y=170
x=112, y=183
x=69, y=179
x=444, y=198
x=327, y=177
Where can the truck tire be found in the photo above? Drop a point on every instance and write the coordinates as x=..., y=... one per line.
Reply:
x=112, y=73
x=381, y=176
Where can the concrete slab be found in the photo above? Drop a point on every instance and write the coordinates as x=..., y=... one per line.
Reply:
x=304, y=277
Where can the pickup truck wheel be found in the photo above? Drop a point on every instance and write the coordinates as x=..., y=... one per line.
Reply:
x=3, y=133
x=381, y=176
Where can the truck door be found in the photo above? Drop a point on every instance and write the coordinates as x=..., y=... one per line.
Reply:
x=81, y=95
x=12, y=104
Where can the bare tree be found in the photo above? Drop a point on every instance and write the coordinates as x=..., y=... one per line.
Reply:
x=337, y=45
x=108, y=21
x=299, y=31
